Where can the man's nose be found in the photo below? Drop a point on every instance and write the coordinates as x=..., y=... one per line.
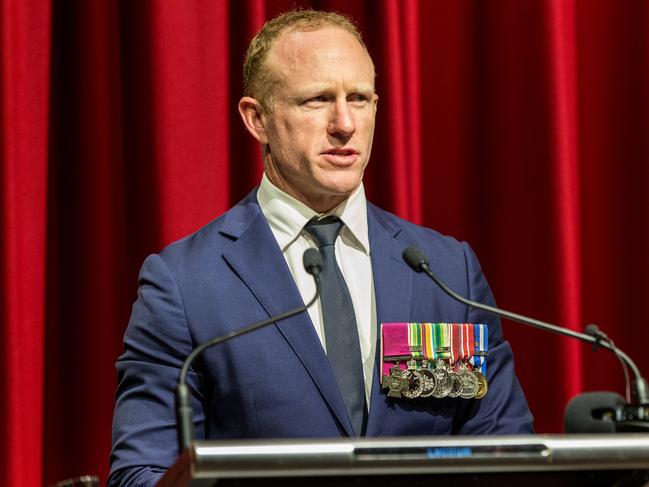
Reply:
x=342, y=119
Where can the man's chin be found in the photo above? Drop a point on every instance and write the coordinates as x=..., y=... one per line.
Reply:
x=341, y=190
x=341, y=182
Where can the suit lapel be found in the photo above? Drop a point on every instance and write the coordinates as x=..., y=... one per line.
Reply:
x=393, y=293
x=268, y=277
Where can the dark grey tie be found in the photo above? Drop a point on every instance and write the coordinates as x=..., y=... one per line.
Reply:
x=341, y=333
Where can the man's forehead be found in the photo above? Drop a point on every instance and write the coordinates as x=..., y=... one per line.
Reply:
x=322, y=46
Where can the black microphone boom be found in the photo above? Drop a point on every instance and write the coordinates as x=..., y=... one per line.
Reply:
x=419, y=263
x=312, y=261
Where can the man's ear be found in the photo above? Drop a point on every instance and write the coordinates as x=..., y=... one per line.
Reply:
x=251, y=114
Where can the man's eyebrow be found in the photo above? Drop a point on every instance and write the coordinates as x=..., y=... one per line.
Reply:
x=371, y=89
x=325, y=88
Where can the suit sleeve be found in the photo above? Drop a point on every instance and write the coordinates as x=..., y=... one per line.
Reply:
x=504, y=409
x=156, y=342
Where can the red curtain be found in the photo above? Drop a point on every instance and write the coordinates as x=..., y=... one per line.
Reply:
x=518, y=126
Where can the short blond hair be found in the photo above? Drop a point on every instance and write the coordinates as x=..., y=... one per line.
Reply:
x=257, y=78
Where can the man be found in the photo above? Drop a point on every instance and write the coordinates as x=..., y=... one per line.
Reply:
x=310, y=103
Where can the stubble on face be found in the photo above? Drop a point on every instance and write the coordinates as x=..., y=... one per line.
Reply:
x=320, y=129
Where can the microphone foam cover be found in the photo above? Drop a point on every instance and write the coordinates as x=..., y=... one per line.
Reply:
x=592, y=330
x=592, y=412
x=415, y=258
x=312, y=260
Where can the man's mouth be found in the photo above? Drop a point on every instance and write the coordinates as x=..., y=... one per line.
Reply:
x=340, y=156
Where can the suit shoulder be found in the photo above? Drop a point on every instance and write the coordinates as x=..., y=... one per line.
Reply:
x=417, y=235
x=207, y=232
x=211, y=239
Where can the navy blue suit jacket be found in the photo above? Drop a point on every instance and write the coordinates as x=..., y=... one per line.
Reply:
x=276, y=382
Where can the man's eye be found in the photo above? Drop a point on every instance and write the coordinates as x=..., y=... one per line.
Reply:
x=358, y=99
x=316, y=100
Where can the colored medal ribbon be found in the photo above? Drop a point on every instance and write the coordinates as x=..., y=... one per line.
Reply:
x=456, y=343
x=468, y=339
x=415, y=340
x=428, y=341
x=442, y=340
x=480, y=342
x=462, y=348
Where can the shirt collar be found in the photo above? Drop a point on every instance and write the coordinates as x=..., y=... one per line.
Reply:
x=287, y=215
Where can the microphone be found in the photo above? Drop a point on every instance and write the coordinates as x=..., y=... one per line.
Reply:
x=593, y=412
x=594, y=331
x=312, y=261
x=419, y=263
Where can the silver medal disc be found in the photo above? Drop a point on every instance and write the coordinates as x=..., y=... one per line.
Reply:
x=456, y=385
x=415, y=384
x=469, y=384
x=430, y=382
x=443, y=385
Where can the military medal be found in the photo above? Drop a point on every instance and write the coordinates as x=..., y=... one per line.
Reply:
x=455, y=337
x=443, y=380
x=428, y=351
x=480, y=344
x=396, y=381
x=469, y=383
x=415, y=381
x=462, y=350
x=483, y=385
x=430, y=381
x=394, y=342
x=414, y=377
x=441, y=349
x=456, y=385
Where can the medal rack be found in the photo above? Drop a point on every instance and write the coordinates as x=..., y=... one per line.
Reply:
x=421, y=360
x=557, y=460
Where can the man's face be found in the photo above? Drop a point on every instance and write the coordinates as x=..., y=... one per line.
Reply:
x=319, y=132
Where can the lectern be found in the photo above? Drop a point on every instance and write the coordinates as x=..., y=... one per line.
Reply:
x=529, y=461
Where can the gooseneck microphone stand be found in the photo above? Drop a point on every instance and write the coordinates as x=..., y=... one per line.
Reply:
x=637, y=412
x=313, y=264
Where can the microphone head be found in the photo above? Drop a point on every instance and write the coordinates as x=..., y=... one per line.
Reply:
x=415, y=258
x=592, y=412
x=592, y=330
x=312, y=260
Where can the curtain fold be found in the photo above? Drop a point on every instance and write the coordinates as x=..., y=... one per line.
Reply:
x=520, y=127
x=24, y=103
x=399, y=102
x=562, y=66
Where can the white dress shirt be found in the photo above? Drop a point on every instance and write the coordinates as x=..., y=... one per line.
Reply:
x=287, y=217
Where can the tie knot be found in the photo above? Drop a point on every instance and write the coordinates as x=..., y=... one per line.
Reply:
x=324, y=231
